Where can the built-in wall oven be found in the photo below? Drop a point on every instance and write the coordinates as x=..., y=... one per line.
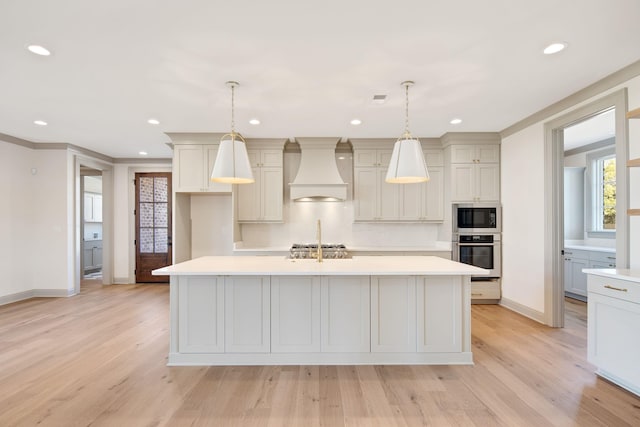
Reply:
x=473, y=218
x=480, y=250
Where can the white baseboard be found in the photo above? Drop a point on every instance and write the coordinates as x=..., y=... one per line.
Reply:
x=36, y=293
x=121, y=281
x=523, y=310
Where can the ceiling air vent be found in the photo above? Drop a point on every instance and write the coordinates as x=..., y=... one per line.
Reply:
x=379, y=99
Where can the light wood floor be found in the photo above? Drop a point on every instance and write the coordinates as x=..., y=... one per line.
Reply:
x=99, y=359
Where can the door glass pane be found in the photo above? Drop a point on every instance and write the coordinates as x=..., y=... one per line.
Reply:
x=146, y=240
x=146, y=215
x=160, y=190
x=161, y=246
x=146, y=189
x=160, y=215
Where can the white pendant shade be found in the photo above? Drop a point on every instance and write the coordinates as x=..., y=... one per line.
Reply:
x=232, y=164
x=407, y=163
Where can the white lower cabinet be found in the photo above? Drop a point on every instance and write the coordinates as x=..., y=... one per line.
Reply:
x=295, y=314
x=439, y=314
x=393, y=314
x=201, y=314
x=345, y=314
x=613, y=325
x=247, y=314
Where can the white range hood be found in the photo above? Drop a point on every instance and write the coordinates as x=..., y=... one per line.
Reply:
x=318, y=178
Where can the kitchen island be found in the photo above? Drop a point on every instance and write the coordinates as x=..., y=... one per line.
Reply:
x=263, y=310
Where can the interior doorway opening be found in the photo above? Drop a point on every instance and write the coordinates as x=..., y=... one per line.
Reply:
x=91, y=225
x=555, y=202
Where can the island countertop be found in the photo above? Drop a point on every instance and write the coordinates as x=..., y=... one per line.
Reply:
x=356, y=266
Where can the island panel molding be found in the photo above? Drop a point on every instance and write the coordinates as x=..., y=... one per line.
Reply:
x=274, y=311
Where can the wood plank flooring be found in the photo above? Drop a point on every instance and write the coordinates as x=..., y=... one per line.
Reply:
x=99, y=359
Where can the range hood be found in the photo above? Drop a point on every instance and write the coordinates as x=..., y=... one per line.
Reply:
x=318, y=178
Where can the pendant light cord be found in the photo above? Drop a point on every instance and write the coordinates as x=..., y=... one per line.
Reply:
x=407, y=134
x=233, y=123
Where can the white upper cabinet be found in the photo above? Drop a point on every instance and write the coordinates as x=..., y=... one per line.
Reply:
x=192, y=167
x=262, y=201
x=376, y=200
x=474, y=168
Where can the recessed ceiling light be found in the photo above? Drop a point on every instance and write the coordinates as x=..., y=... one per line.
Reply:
x=356, y=122
x=153, y=121
x=40, y=122
x=143, y=153
x=254, y=121
x=38, y=50
x=455, y=121
x=554, y=48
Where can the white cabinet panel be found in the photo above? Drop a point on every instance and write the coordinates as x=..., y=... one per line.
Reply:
x=366, y=198
x=262, y=201
x=463, y=184
x=475, y=182
x=345, y=314
x=295, y=314
x=439, y=314
x=488, y=182
x=393, y=314
x=247, y=314
x=201, y=314
x=613, y=344
x=489, y=153
x=192, y=167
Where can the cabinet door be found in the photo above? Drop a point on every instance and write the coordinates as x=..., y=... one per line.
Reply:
x=271, y=158
x=365, y=197
x=271, y=196
x=462, y=183
x=87, y=256
x=345, y=314
x=249, y=198
x=201, y=314
x=488, y=182
x=412, y=200
x=488, y=153
x=97, y=256
x=97, y=207
x=246, y=314
x=393, y=314
x=578, y=278
x=463, y=153
x=188, y=173
x=433, y=196
x=439, y=305
x=295, y=314
x=388, y=197
x=612, y=342
x=434, y=157
x=365, y=158
x=88, y=207
x=210, y=154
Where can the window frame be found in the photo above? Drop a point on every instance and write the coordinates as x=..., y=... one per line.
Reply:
x=594, y=193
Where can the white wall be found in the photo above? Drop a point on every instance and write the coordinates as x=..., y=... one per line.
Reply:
x=16, y=183
x=522, y=155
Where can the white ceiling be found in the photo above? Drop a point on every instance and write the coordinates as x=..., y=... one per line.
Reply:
x=595, y=129
x=305, y=68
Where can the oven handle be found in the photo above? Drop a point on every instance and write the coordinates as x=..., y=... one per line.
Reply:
x=477, y=244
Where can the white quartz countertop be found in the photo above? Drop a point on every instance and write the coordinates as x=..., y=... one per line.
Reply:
x=615, y=273
x=436, y=247
x=356, y=266
x=589, y=248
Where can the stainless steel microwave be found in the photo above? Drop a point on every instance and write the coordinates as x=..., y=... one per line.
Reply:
x=477, y=218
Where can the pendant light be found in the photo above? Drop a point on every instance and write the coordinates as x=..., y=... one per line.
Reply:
x=232, y=163
x=407, y=163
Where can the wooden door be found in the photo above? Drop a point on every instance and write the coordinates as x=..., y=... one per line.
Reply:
x=153, y=225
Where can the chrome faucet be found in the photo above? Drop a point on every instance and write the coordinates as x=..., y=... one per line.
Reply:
x=318, y=252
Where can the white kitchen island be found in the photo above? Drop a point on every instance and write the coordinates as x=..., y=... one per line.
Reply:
x=265, y=310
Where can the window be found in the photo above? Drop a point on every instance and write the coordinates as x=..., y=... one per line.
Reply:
x=601, y=211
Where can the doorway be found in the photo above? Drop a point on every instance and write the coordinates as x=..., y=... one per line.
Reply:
x=554, y=191
x=152, y=225
x=91, y=229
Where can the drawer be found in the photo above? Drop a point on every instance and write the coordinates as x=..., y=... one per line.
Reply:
x=615, y=288
x=577, y=253
x=485, y=290
x=606, y=257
